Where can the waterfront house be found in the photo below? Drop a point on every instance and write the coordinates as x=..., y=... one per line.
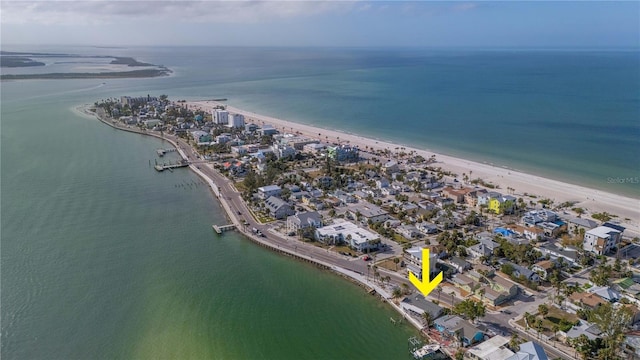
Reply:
x=455, y=327
x=313, y=148
x=264, y=192
x=484, y=198
x=578, y=224
x=534, y=217
x=417, y=305
x=504, y=204
x=471, y=197
x=603, y=239
x=343, y=152
x=278, y=208
x=267, y=130
x=305, y=220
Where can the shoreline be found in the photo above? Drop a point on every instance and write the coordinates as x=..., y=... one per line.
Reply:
x=591, y=200
x=357, y=279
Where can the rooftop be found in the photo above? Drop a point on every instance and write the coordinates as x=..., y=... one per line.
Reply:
x=492, y=349
x=346, y=228
x=603, y=231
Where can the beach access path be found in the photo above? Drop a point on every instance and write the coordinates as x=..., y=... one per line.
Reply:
x=592, y=200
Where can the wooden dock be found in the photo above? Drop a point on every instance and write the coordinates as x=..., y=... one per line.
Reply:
x=219, y=229
x=161, y=152
x=170, y=167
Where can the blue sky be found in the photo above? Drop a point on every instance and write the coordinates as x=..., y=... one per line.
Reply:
x=323, y=23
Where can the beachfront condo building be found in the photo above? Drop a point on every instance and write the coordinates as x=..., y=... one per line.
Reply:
x=220, y=117
x=602, y=239
x=235, y=121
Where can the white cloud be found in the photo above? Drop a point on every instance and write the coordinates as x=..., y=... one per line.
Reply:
x=88, y=12
x=465, y=6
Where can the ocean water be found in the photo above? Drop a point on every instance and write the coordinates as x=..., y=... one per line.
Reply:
x=571, y=115
x=104, y=258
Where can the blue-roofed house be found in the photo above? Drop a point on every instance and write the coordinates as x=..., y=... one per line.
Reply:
x=455, y=327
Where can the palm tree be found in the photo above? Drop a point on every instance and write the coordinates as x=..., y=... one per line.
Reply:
x=439, y=291
x=428, y=319
x=539, y=327
x=396, y=293
x=514, y=342
x=555, y=330
x=405, y=288
x=526, y=318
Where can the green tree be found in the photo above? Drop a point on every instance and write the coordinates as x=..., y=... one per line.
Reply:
x=471, y=309
x=396, y=293
x=543, y=309
x=613, y=323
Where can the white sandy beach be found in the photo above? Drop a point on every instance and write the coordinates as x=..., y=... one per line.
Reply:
x=591, y=200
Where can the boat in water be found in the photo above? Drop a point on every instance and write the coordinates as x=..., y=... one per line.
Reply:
x=429, y=351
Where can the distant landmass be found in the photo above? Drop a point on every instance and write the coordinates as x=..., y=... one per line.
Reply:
x=25, y=59
x=18, y=61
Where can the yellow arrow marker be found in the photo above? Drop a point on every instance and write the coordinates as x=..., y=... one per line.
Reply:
x=425, y=286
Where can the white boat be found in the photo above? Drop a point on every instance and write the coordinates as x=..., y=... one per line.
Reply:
x=426, y=352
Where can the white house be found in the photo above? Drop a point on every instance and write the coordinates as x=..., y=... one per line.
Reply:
x=413, y=259
x=265, y=192
x=304, y=220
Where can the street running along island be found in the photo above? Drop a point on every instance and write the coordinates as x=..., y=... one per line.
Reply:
x=381, y=214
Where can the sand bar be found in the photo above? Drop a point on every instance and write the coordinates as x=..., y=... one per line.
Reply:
x=592, y=200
